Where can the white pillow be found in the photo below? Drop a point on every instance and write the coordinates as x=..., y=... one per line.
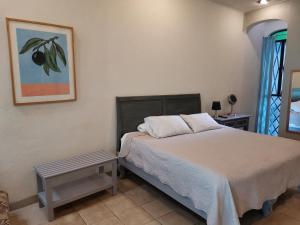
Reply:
x=166, y=126
x=295, y=106
x=200, y=122
x=142, y=128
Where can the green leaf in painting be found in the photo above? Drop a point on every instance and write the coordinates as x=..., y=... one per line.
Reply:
x=53, y=54
x=46, y=69
x=30, y=44
x=61, y=53
x=49, y=61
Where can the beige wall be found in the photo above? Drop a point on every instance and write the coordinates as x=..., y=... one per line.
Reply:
x=275, y=12
x=128, y=47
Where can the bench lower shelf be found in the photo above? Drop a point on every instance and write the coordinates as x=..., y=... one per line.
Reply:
x=77, y=189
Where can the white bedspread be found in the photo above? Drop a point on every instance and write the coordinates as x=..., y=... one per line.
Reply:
x=225, y=172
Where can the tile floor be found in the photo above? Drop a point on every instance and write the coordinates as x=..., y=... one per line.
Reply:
x=137, y=203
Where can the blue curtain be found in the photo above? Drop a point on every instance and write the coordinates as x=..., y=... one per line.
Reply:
x=265, y=85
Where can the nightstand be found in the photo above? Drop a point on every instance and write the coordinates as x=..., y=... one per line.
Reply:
x=236, y=121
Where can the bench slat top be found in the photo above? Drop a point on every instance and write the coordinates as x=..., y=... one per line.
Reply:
x=74, y=163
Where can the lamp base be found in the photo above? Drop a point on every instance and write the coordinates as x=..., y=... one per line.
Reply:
x=216, y=115
x=231, y=112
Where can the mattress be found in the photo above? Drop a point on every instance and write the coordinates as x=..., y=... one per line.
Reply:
x=225, y=172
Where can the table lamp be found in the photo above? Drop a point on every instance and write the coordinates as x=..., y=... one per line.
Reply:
x=216, y=105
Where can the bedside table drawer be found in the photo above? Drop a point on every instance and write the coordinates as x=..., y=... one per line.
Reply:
x=230, y=124
x=239, y=121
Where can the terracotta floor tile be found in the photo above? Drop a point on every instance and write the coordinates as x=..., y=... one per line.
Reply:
x=108, y=221
x=118, y=203
x=127, y=184
x=277, y=219
x=92, y=200
x=174, y=218
x=296, y=193
x=16, y=220
x=30, y=215
x=70, y=219
x=192, y=217
x=153, y=190
x=284, y=197
x=95, y=214
x=290, y=207
x=141, y=195
x=135, y=216
x=158, y=207
x=154, y=222
x=63, y=210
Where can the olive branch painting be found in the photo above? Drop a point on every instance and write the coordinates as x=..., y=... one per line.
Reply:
x=42, y=62
x=48, y=57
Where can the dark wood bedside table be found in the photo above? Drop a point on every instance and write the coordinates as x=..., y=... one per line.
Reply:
x=236, y=121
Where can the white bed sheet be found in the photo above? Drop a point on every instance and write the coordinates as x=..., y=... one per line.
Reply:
x=225, y=172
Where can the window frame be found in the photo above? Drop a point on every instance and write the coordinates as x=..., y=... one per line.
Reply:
x=281, y=64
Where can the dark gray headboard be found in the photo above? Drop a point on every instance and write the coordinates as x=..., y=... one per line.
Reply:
x=131, y=111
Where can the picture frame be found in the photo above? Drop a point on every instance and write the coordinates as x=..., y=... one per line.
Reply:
x=41, y=62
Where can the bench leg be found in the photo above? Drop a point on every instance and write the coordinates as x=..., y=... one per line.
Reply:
x=268, y=207
x=50, y=212
x=100, y=170
x=114, y=177
x=39, y=188
x=41, y=205
x=48, y=192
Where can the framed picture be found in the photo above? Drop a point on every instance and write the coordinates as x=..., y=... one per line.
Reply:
x=42, y=62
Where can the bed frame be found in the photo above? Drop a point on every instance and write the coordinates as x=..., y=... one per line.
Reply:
x=131, y=112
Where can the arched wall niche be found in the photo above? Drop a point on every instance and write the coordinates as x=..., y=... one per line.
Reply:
x=255, y=33
x=268, y=23
x=276, y=12
x=261, y=29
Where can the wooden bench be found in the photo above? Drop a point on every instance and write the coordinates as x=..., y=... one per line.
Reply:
x=61, y=182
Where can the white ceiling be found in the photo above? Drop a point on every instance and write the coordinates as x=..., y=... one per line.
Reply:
x=245, y=5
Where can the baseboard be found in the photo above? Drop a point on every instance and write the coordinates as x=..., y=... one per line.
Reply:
x=22, y=203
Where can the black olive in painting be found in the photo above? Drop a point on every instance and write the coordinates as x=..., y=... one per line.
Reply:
x=38, y=58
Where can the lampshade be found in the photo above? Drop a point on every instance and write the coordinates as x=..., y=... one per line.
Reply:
x=216, y=105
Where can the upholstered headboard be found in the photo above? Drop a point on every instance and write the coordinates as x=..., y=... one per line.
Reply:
x=131, y=111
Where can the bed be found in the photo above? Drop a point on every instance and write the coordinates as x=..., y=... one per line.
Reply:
x=209, y=183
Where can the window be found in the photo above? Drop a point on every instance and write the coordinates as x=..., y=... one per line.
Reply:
x=277, y=78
